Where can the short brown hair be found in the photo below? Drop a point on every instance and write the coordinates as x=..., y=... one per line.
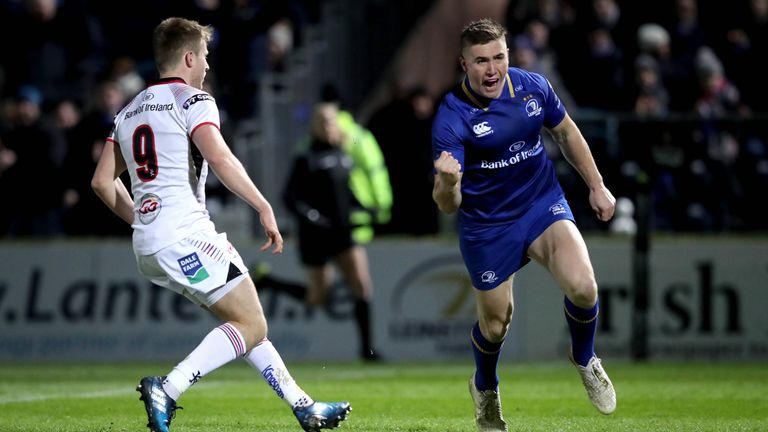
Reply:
x=481, y=32
x=175, y=36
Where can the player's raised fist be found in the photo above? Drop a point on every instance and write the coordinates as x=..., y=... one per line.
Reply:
x=446, y=165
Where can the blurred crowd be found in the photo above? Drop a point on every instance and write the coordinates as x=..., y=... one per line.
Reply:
x=686, y=76
x=683, y=76
x=69, y=66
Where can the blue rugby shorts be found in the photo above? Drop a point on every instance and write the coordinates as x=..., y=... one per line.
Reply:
x=493, y=253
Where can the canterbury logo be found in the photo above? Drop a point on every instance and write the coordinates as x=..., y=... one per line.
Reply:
x=482, y=129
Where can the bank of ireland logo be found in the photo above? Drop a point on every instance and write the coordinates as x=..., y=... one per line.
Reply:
x=149, y=207
x=482, y=129
x=192, y=268
x=532, y=108
x=488, y=277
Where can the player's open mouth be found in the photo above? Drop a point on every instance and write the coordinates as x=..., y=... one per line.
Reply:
x=490, y=83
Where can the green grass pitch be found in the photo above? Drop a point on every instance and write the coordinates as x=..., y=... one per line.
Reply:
x=391, y=397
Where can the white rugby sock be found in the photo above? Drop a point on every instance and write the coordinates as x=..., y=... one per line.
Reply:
x=222, y=345
x=265, y=358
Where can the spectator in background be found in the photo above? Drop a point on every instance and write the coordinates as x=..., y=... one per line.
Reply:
x=686, y=35
x=654, y=40
x=85, y=214
x=651, y=98
x=280, y=44
x=402, y=128
x=319, y=196
x=33, y=205
x=744, y=48
x=718, y=97
x=369, y=177
x=53, y=45
x=607, y=14
x=523, y=54
x=124, y=73
x=538, y=34
x=66, y=116
x=554, y=13
x=254, y=38
x=710, y=182
x=605, y=59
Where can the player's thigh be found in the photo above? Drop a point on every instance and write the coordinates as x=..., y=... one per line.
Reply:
x=561, y=249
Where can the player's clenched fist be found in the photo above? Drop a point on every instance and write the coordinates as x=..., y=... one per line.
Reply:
x=448, y=168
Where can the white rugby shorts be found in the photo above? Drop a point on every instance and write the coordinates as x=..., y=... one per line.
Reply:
x=198, y=267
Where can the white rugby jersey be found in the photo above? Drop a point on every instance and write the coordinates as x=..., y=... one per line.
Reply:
x=167, y=170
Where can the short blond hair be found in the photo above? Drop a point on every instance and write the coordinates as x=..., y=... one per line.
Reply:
x=481, y=32
x=175, y=36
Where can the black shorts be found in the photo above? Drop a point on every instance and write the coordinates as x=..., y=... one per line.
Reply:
x=317, y=246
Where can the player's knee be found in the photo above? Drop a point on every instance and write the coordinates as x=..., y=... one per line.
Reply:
x=253, y=331
x=583, y=293
x=495, y=327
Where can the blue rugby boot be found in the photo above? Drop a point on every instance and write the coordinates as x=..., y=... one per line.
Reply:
x=160, y=407
x=322, y=415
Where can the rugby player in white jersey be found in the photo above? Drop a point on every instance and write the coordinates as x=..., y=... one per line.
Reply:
x=166, y=138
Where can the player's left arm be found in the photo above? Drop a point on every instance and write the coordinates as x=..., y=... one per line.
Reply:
x=232, y=174
x=576, y=151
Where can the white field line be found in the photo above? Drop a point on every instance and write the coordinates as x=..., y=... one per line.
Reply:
x=9, y=399
x=122, y=390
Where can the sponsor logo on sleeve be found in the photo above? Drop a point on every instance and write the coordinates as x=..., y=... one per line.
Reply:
x=196, y=98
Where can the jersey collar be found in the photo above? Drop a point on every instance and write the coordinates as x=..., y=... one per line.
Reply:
x=168, y=80
x=483, y=102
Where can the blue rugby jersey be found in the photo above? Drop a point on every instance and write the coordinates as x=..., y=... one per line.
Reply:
x=498, y=144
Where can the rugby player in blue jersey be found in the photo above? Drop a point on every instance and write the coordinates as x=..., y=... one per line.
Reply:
x=491, y=166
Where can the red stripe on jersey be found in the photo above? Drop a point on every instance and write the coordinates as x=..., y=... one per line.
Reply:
x=203, y=124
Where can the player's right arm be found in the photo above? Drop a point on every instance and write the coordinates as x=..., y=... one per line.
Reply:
x=232, y=174
x=447, y=189
x=107, y=185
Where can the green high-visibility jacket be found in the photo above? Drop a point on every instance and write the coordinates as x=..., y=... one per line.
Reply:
x=368, y=179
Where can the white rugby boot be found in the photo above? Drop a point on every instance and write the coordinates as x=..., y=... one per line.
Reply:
x=599, y=387
x=487, y=409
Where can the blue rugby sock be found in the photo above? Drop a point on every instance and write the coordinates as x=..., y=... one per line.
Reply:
x=486, y=360
x=582, y=323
